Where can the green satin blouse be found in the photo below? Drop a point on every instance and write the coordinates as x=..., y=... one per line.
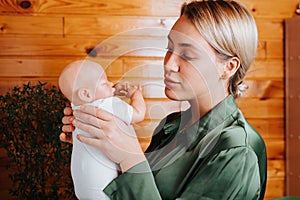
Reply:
x=219, y=157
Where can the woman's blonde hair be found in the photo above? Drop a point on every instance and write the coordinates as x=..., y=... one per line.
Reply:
x=230, y=29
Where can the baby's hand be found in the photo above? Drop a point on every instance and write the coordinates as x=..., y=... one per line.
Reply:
x=125, y=89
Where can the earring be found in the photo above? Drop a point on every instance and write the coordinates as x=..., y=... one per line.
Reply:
x=222, y=77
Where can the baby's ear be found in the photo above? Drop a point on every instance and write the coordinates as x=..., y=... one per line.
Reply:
x=85, y=94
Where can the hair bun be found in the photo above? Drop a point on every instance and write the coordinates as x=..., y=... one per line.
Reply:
x=242, y=87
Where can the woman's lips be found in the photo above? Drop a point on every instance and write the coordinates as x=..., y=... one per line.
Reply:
x=170, y=82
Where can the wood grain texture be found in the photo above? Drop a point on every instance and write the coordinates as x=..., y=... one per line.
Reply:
x=112, y=25
x=31, y=25
x=266, y=69
x=262, y=109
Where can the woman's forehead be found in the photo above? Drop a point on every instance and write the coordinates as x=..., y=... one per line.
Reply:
x=185, y=32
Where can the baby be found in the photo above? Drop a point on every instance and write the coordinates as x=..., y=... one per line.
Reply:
x=85, y=82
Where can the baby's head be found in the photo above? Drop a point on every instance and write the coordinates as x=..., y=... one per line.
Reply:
x=84, y=81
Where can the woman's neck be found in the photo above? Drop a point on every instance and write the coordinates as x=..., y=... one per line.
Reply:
x=201, y=106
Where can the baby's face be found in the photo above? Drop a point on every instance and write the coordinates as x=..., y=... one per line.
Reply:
x=104, y=88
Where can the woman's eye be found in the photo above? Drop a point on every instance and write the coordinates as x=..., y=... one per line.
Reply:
x=185, y=57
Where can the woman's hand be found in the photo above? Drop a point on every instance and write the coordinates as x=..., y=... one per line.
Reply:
x=116, y=139
x=66, y=135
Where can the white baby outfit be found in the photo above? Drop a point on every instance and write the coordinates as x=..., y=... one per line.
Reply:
x=91, y=170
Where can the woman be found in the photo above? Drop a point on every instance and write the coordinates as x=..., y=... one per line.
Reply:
x=208, y=151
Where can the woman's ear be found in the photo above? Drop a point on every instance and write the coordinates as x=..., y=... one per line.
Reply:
x=232, y=66
x=85, y=94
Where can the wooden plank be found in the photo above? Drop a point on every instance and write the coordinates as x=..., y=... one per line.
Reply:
x=112, y=25
x=264, y=89
x=269, y=128
x=261, y=50
x=32, y=46
x=47, y=67
x=275, y=188
x=262, y=109
x=112, y=7
x=273, y=9
x=270, y=29
x=17, y=25
x=275, y=49
x=276, y=168
x=269, y=69
x=275, y=149
x=113, y=47
x=276, y=179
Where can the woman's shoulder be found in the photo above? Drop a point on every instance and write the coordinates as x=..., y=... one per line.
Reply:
x=241, y=135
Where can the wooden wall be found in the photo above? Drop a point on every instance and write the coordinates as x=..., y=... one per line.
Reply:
x=38, y=38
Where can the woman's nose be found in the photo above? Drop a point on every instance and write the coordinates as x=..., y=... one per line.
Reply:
x=171, y=62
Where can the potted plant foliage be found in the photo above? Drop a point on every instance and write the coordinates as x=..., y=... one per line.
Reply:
x=30, y=118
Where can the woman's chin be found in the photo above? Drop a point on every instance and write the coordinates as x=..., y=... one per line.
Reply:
x=171, y=94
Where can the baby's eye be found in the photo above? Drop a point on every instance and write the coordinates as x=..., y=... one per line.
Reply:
x=170, y=49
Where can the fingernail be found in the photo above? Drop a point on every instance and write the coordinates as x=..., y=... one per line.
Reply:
x=71, y=119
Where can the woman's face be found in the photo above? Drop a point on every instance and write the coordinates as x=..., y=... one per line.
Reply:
x=191, y=69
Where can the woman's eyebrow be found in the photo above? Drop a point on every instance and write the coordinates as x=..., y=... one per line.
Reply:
x=183, y=44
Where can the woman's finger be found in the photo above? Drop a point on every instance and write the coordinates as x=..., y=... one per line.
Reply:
x=67, y=119
x=67, y=111
x=68, y=128
x=99, y=113
x=89, y=141
x=94, y=131
x=65, y=137
x=89, y=119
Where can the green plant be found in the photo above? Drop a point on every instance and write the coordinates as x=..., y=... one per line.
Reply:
x=30, y=124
